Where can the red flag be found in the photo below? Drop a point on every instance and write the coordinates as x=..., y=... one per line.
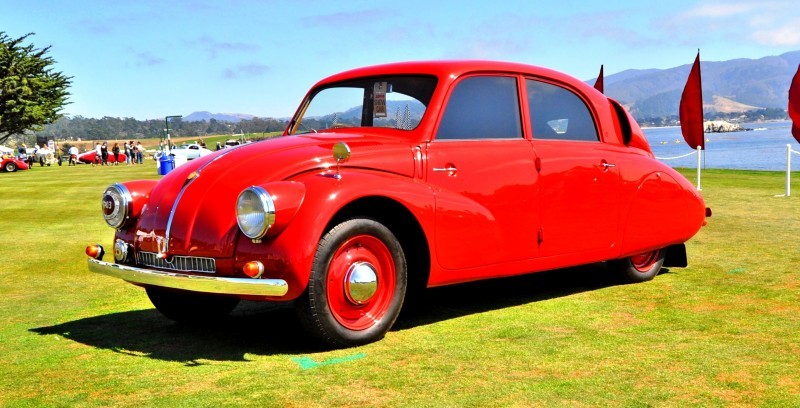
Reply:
x=794, y=105
x=598, y=84
x=691, y=108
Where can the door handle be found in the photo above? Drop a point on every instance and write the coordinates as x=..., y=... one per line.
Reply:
x=449, y=168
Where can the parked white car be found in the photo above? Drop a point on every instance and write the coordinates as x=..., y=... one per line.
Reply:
x=190, y=151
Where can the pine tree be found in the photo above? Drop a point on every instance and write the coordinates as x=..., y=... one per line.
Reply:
x=31, y=93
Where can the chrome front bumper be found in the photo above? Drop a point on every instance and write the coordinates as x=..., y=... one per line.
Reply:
x=194, y=283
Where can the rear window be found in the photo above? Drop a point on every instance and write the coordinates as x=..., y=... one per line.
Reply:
x=557, y=113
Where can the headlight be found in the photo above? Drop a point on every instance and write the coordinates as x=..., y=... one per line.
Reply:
x=116, y=205
x=255, y=212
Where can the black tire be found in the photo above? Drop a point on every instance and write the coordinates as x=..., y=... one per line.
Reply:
x=10, y=167
x=190, y=307
x=334, y=308
x=640, y=268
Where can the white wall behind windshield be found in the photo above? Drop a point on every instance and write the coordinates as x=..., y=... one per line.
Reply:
x=390, y=102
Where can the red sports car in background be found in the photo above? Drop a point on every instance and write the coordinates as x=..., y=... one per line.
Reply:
x=91, y=156
x=397, y=177
x=10, y=163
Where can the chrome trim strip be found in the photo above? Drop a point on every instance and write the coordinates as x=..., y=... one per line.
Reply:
x=183, y=189
x=195, y=283
x=172, y=211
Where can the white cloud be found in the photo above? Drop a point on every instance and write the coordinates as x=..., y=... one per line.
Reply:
x=246, y=71
x=148, y=59
x=786, y=35
x=719, y=10
x=215, y=47
x=764, y=23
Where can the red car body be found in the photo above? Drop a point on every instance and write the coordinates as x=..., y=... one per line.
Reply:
x=10, y=163
x=90, y=157
x=485, y=183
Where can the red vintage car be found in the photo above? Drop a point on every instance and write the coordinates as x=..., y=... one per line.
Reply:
x=396, y=177
x=90, y=157
x=9, y=163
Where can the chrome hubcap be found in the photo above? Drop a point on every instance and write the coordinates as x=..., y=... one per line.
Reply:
x=361, y=283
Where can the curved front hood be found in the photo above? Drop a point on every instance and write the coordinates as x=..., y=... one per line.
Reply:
x=191, y=211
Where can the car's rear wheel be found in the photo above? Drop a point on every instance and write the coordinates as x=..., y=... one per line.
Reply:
x=357, y=285
x=190, y=307
x=641, y=267
x=10, y=167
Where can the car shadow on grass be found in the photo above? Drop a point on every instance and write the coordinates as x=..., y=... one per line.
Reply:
x=253, y=328
x=447, y=302
x=265, y=329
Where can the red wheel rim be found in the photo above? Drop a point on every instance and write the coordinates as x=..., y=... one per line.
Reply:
x=644, y=261
x=360, y=250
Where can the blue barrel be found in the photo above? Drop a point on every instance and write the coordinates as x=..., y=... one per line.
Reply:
x=166, y=163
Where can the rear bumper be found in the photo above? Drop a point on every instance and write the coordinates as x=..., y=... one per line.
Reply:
x=194, y=283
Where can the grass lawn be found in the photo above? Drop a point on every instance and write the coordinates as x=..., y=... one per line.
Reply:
x=723, y=332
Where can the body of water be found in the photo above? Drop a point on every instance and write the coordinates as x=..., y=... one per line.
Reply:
x=763, y=148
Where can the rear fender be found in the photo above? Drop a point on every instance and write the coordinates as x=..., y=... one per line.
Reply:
x=665, y=210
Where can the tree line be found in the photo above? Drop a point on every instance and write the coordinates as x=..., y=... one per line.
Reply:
x=739, y=117
x=107, y=128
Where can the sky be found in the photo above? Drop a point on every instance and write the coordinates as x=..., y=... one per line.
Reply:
x=150, y=59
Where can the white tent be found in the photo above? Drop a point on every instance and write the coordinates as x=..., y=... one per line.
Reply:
x=6, y=150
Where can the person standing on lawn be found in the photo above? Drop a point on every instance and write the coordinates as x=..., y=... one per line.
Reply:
x=73, y=155
x=139, y=152
x=104, y=152
x=98, y=154
x=115, y=152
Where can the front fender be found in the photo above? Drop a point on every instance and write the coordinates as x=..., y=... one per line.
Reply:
x=288, y=196
x=289, y=254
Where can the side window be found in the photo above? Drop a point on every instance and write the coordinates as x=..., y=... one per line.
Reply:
x=482, y=107
x=557, y=113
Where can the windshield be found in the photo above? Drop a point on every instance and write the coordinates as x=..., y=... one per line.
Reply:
x=396, y=102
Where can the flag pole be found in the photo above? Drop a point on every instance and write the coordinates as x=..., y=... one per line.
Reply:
x=788, y=170
x=699, y=156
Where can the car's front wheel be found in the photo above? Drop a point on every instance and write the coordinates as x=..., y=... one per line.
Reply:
x=641, y=267
x=357, y=285
x=10, y=167
x=190, y=307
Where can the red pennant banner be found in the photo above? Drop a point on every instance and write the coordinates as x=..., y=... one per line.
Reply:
x=691, y=108
x=598, y=84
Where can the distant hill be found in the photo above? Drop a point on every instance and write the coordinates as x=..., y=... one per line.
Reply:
x=728, y=86
x=393, y=108
x=207, y=116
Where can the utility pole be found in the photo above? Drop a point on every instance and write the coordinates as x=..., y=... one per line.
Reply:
x=166, y=123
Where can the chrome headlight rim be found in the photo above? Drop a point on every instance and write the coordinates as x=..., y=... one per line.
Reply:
x=116, y=212
x=263, y=209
